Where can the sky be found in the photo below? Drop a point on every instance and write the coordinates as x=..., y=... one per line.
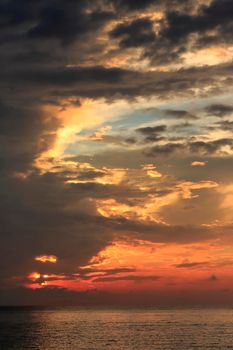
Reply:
x=116, y=152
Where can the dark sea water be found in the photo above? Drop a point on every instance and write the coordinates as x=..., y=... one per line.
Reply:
x=71, y=328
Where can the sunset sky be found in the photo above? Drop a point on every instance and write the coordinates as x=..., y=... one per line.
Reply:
x=116, y=164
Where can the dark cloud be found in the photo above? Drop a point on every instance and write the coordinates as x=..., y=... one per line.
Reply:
x=182, y=126
x=13, y=14
x=160, y=233
x=44, y=209
x=179, y=23
x=219, y=110
x=63, y=76
x=211, y=147
x=180, y=114
x=115, y=271
x=32, y=24
x=192, y=264
x=217, y=15
x=138, y=5
x=138, y=33
x=67, y=21
x=165, y=149
x=23, y=135
x=112, y=83
x=130, y=141
x=127, y=278
x=148, y=130
x=225, y=125
x=133, y=4
x=213, y=278
x=62, y=20
x=152, y=133
x=90, y=175
x=194, y=147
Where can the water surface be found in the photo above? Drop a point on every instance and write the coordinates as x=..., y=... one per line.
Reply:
x=73, y=328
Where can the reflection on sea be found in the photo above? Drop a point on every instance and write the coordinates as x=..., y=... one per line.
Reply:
x=71, y=329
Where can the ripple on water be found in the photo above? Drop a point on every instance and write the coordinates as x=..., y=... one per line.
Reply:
x=71, y=329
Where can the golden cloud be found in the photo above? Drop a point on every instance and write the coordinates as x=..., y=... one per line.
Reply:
x=46, y=259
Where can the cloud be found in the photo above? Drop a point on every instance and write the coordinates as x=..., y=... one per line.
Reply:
x=225, y=125
x=213, y=278
x=54, y=20
x=192, y=264
x=46, y=258
x=152, y=130
x=193, y=147
x=114, y=271
x=211, y=147
x=133, y=4
x=215, y=16
x=198, y=163
x=152, y=133
x=180, y=114
x=165, y=149
x=127, y=278
x=98, y=135
x=219, y=110
x=114, y=83
x=151, y=171
x=71, y=72
x=166, y=40
x=138, y=33
x=24, y=135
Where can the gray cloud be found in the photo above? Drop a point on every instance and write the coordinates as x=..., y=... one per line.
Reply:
x=180, y=114
x=180, y=22
x=219, y=110
x=190, y=146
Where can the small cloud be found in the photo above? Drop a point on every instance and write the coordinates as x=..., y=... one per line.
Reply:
x=180, y=114
x=187, y=187
x=151, y=170
x=199, y=163
x=128, y=278
x=98, y=135
x=46, y=259
x=213, y=278
x=187, y=264
x=219, y=110
x=152, y=133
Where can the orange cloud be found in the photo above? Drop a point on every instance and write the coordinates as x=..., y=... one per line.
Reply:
x=187, y=187
x=98, y=135
x=73, y=120
x=34, y=276
x=46, y=258
x=198, y=163
x=144, y=266
x=151, y=171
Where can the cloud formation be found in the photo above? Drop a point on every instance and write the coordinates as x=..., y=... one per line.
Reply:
x=116, y=141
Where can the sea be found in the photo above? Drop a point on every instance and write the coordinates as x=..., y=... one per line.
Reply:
x=115, y=329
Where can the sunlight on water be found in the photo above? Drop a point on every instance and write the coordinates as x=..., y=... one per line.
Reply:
x=71, y=329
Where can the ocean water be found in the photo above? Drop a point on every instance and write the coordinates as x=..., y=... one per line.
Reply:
x=77, y=329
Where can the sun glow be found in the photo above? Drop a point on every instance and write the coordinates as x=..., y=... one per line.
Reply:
x=34, y=276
